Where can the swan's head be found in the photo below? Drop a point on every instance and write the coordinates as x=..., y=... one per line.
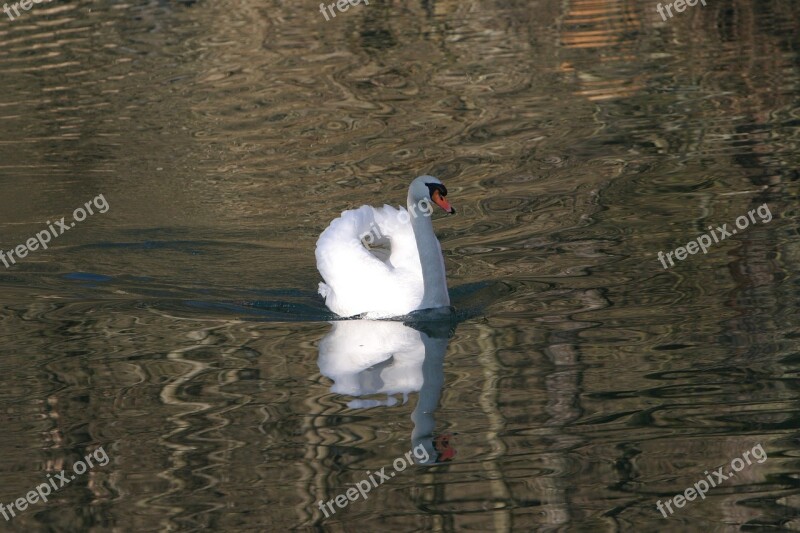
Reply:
x=430, y=188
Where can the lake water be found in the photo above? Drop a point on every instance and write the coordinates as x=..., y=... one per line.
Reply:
x=580, y=382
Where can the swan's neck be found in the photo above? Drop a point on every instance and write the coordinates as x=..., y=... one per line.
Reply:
x=429, y=393
x=430, y=257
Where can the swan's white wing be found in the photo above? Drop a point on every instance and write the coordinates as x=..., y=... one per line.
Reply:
x=357, y=280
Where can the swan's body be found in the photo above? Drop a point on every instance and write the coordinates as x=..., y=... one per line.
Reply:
x=384, y=262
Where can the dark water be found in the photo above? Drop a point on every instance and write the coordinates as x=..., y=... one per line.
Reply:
x=581, y=382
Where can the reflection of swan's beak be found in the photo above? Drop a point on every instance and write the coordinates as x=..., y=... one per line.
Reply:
x=442, y=202
x=444, y=448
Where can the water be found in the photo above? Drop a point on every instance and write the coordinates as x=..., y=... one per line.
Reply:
x=580, y=382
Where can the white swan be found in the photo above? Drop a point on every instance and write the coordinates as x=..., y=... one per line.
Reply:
x=384, y=262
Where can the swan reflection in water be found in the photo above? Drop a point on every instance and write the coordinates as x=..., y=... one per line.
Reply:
x=366, y=357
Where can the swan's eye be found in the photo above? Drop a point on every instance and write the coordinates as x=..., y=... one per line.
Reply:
x=433, y=188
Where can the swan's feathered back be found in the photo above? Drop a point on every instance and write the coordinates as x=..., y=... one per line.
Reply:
x=383, y=282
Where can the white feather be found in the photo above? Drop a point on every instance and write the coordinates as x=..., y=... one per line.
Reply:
x=358, y=280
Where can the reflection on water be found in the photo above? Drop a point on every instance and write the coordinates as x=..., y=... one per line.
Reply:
x=365, y=357
x=181, y=331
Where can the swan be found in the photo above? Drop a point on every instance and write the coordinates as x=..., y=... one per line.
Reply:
x=385, y=262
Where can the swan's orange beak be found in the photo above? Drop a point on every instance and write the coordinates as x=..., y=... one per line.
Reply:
x=442, y=202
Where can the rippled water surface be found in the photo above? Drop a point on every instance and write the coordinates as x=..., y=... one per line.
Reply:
x=580, y=382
